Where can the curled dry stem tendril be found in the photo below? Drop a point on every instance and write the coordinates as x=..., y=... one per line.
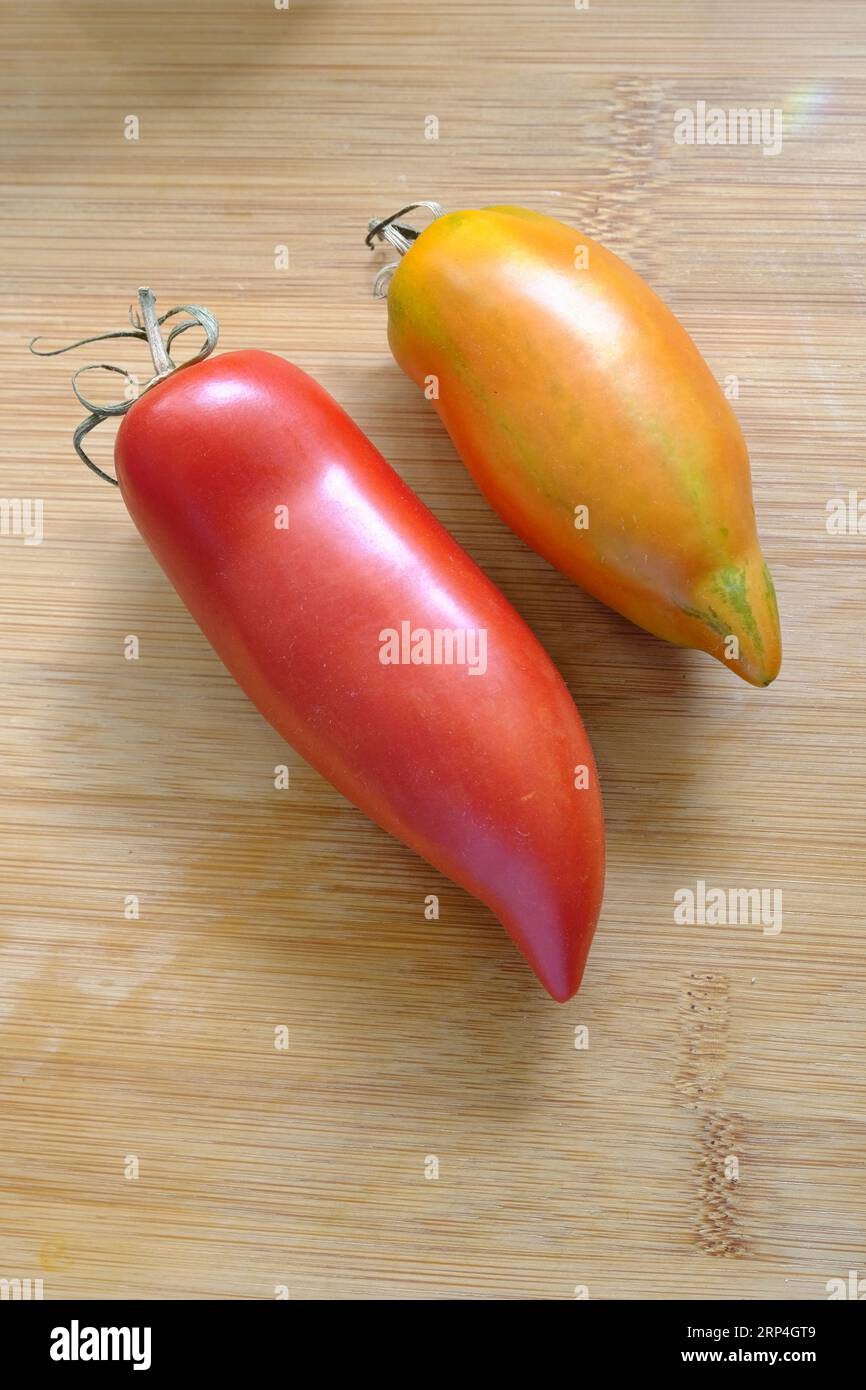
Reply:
x=398, y=234
x=145, y=326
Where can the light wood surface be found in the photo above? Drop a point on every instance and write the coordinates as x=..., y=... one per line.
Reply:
x=154, y=1038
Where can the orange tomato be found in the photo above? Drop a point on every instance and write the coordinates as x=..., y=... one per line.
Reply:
x=591, y=423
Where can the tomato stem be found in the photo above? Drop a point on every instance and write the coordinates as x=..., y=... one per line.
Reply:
x=398, y=234
x=145, y=323
x=150, y=323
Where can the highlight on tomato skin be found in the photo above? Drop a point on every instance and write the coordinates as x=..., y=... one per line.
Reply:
x=473, y=769
x=591, y=423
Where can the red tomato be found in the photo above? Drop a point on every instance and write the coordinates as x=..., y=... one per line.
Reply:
x=474, y=769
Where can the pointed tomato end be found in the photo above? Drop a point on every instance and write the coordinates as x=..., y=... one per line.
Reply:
x=736, y=607
x=561, y=977
x=556, y=947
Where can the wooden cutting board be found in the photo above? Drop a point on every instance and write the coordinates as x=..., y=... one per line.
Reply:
x=154, y=1141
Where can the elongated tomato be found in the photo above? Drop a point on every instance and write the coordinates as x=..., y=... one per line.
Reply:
x=371, y=641
x=591, y=423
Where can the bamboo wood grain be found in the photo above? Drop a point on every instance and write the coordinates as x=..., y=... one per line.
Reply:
x=154, y=1039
